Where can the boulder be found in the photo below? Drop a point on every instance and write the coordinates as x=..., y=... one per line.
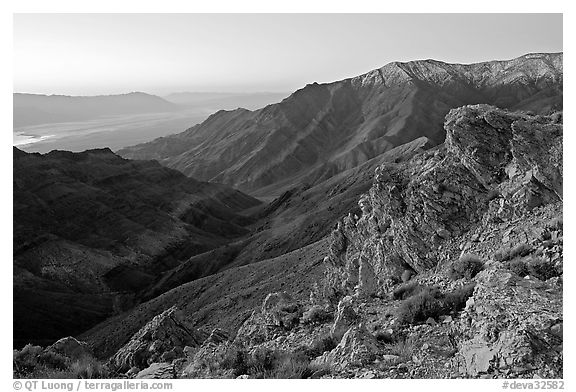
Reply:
x=357, y=348
x=513, y=326
x=346, y=316
x=164, y=337
x=71, y=348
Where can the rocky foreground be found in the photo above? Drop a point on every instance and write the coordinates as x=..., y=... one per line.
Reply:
x=454, y=269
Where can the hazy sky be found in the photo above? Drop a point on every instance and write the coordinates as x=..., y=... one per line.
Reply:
x=86, y=54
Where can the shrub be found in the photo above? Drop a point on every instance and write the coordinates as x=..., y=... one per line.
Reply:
x=456, y=300
x=35, y=362
x=427, y=303
x=518, y=267
x=430, y=302
x=88, y=367
x=403, y=348
x=384, y=337
x=407, y=290
x=502, y=254
x=26, y=360
x=542, y=269
x=466, y=267
x=53, y=359
x=520, y=250
x=316, y=315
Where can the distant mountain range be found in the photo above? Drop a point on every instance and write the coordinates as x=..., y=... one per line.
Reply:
x=226, y=101
x=33, y=109
x=325, y=129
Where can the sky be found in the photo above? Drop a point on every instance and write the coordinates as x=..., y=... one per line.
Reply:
x=91, y=54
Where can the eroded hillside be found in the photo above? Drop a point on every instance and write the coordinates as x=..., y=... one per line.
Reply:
x=453, y=268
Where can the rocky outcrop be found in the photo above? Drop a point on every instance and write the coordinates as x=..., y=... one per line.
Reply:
x=516, y=327
x=279, y=312
x=71, y=348
x=162, y=339
x=494, y=165
x=357, y=347
x=346, y=317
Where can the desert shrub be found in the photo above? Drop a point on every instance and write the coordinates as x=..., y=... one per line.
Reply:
x=536, y=267
x=430, y=302
x=407, y=290
x=53, y=359
x=520, y=250
x=26, y=360
x=518, y=267
x=419, y=307
x=542, y=269
x=35, y=362
x=403, y=348
x=291, y=366
x=467, y=266
x=316, y=315
x=456, y=300
x=88, y=367
x=384, y=337
x=502, y=254
x=267, y=363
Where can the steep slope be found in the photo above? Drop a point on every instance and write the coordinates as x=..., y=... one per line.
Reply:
x=324, y=129
x=32, y=109
x=91, y=229
x=493, y=189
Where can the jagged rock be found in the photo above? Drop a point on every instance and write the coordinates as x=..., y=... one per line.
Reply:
x=512, y=322
x=493, y=166
x=71, y=348
x=217, y=336
x=158, y=371
x=254, y=330
x=357, y=347
x=367, y=281
x=165, y=335
x=346, y=316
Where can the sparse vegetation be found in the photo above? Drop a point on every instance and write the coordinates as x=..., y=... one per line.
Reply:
x=36, y=362
x=407, y=290
x=419, y=307
x=265, y=363
x=466, y=267
x=403, y=348
x=431, y=302
x=505, y=254
x=384, y=337
x=456, y=300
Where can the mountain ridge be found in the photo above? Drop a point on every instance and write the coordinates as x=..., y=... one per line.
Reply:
x=332, y=127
